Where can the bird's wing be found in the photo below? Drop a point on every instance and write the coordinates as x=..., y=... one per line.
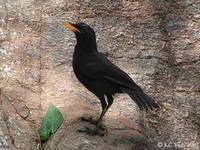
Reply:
x=101, y=68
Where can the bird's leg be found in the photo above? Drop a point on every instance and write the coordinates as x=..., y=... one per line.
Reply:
x=95, y=131
x=93, y=121
x=96, y=122
x=105, y=107
x=99, y=121
x=104, y=110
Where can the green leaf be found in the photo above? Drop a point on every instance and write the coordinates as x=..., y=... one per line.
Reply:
x=50, y=123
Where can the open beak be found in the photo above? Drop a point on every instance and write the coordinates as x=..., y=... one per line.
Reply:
x=71, y=27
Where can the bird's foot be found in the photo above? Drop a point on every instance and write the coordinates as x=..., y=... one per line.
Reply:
x=94, y=131
x=94, y=122
x=90, y=120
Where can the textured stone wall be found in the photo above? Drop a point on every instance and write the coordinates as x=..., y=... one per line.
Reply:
x=157, y=42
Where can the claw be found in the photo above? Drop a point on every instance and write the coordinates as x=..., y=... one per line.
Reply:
x=85, y=129
x=94, y=122
x=89, y=131
x=90, y=120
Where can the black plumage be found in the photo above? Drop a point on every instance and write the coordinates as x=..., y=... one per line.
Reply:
x=100, y=76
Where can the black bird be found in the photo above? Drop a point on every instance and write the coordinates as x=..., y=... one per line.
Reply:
x=100, y=76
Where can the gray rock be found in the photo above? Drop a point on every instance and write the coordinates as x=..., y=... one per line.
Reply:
x=156, y=42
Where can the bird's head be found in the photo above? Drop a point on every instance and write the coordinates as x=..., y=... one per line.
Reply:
x=85, y=35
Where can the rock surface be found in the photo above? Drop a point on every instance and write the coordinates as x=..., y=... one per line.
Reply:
x=156, y=42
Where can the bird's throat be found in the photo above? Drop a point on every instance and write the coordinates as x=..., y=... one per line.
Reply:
x=86, y=46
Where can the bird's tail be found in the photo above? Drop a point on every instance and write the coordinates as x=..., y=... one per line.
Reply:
x=141, y=99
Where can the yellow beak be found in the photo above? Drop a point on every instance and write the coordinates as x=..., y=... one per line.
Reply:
x=71, y=27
